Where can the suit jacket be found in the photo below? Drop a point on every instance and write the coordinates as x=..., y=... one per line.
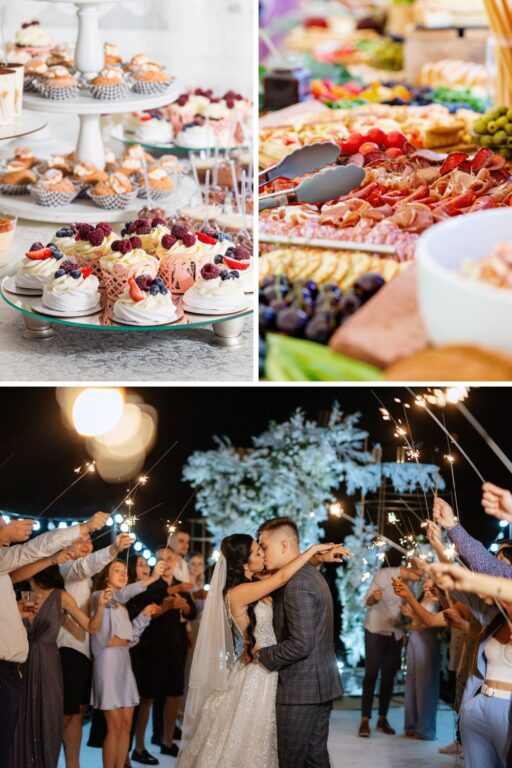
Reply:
x=304, y=654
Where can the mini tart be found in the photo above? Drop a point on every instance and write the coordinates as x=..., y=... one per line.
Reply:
x=139, y=306
x=86, y=173
x=33, y=273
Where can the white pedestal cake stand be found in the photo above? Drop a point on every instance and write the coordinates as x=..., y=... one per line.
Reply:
x=23, y=126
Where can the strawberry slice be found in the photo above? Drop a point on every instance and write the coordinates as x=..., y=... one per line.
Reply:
x=43, y=253
x=135, y=292
x=86, y=271
x=234, y=264
x=205, y=238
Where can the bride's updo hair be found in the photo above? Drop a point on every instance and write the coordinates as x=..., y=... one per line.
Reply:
x=237, y=551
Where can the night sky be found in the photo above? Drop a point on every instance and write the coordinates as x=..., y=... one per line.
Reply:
x=45, y=451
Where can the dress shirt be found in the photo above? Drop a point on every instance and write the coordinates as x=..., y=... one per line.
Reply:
x=181, y=573
x=77, y=575
x=384, y=617
x=476, y=555
x=13, y=636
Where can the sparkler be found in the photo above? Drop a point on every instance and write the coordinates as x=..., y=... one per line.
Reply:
x=450, y=459
x=143, y=479
x=380, y=536
x=502, y=456
x=88, y=468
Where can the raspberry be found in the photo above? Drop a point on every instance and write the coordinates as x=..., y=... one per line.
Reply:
x=116, y=245
x=206, y=238
x=125, y=246
x=229, y=95
x=105, y=227
x=96, y=237
x=230, y=104
x=136, y=242
x=143, y=230
x=210, y=272
x=69, y=266
x=188, y=240
x=83, y=230
x=168, y=241
x=179, y=231
x=241, y=254
x=158, y=223
x=182, y=100
x=210, y=231
x=144, y=282
x=36, y=247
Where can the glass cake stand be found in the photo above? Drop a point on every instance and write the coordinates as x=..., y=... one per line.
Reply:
x=227, y=329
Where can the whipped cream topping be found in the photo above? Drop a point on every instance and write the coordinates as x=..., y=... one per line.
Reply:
x=157, y=173
x=65, y=244
x=84, y=248
x=118, y=183
x=82, y=170
x=70, y=294
x=131, y=163
x=57, y=72
x=196, y=137
x=112, y=73
x=151, y=241
x=33, y=273
x=215, y=295
x=216, y=110
x=33, y=37
x=151, y=310
x=142, y=261
x=154, y=130
x=111, y=49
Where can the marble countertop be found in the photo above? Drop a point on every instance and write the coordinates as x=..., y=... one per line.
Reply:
x=85, y=355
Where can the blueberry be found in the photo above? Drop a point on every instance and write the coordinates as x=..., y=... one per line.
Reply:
x=220, y=236
x=163, y=290
x=75, y=273
x=267, y=318
x=60, y=273
x=57, y=255
x=228, y=237
x=51, y=246
x=154, y=290
x=158, y=281
x=218, y=259
x=64, y=232
x=224, y=273
x=230, y=252
x=234, y=273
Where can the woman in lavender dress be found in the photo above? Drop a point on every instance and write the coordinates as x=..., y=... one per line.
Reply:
x=114, y=689
x=39, y=729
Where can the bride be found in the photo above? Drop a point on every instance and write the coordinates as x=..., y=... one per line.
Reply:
x=230, y=710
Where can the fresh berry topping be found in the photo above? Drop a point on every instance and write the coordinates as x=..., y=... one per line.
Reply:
x=135, y=225
x=206, y=238
x=242, y=254
x=182, y=100
x=230, y=104
x=218, y=259
x=158, y=223
x=224, y=274
x=230, y=252
x=105, y=226
x=154, y=289
x=136, y=242
x=219, y=236
x=86, y=271
x=188, y=240
x=69, y=266
x=75, y=274
x=125, y=246
x=163, y=290
x=116, y=245
x=96, y=237
x=136, y=294
x=229, y=237
x=179, y=231
x=57, y=255
x=210, y=231
x=144, y=282
x=83, y=230
x=144, y=229
x=36, y=246
x=236, y=264
x=158, y=281
x=234, y=273
x=210, y=272
x=168, y=241
x=65, y=232
x=40, y=255
x=60, y=273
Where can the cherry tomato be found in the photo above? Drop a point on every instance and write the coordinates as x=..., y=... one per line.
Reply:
x=395, y=139
x=394, y=152
x=378, y=136
x=368, y=146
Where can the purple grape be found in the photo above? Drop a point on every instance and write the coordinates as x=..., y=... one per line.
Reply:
x=278, y=304
x=267, y=318
x=347, y=305
x=318, y=329
x=292, y=321
x=367, y=285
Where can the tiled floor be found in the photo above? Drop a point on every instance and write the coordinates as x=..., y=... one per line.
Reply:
x=349, y=751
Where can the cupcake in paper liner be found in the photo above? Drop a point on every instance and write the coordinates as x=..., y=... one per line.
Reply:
x=112, y=57
x=181, y=256
x=54, y=189
x=86, y=175
x=150, y=230
x=151, y=79
x=34, y=71
x=109, y=85
x=125, y=259
x=16, y=178
x=116, y=192
x=159, y=181
x=58, y=84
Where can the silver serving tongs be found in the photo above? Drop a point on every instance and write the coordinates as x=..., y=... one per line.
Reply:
x=311, y=157
x=323, y=186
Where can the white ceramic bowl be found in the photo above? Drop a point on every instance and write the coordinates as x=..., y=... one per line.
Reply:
x=455, y=309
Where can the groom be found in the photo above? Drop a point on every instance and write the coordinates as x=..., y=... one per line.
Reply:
x=304, y=654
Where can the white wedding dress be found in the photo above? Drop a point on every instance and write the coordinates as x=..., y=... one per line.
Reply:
x=238, y=725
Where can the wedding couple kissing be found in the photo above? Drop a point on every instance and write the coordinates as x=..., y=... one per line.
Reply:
x=264, y=674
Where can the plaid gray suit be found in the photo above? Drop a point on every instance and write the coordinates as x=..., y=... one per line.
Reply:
x=309, y=679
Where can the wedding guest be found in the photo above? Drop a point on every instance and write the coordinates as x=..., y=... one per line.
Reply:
x=13, y=635
x=384, y=635
x=164, y=672
x=179, y=543
x=114, y=689
x=39, y=731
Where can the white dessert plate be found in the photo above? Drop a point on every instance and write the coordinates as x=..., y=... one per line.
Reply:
x=216, y=312
x=180, y=314
x=38, y=306
x=10, y=285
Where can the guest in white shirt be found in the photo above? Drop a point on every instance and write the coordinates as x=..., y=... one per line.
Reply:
x=13, y=636
x=383, y=631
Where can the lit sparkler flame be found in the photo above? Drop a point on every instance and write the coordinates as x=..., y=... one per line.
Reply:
x=129, y=502
x=450, y=552
x=449, y=458
x=131, y=521
x=392, y=518
x=143, y=479
x=335, y=509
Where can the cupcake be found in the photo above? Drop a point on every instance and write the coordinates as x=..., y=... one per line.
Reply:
x=116, y=192
x=71, y=289
x=150, y=232
x=215, y=291
x=37, y=265
x=53, y=189
x=110, y=160
x=196, y=136
x=60, y=162
x=62, y=57
x=145, y=301
x=87, y=174
x=239, y=258
x=160, y=183
x=58, y=83
x=15, y=178
x=112, y=55
x=133, y=158
x=137, y=62
x=125, y=259
x=91, y=243
x=109, y=84
x=151, y=127
x=182, y=254
x=25, y=156
x=151, y=79
x=33, y=40
x=65, y=239
x=34, y=70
